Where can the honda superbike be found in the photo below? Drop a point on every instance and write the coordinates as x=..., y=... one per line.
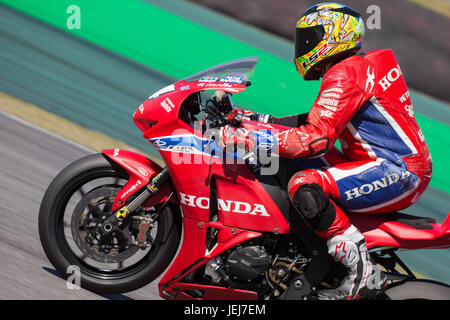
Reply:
x=216, y=224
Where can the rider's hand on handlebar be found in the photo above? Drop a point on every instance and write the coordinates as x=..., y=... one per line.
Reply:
x=236, y=138
x=249, y=115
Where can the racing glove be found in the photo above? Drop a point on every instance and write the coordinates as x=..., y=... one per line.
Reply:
x=250, y=115
x=231, y=138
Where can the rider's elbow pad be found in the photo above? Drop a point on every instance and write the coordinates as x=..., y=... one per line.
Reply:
x=319, y=147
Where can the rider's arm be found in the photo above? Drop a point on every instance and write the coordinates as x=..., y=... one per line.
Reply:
x=338, y=100
x=294, y=121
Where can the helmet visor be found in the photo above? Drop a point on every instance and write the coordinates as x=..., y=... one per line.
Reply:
x=307, y=39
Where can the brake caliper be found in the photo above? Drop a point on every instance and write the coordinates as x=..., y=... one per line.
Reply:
x=143, y=224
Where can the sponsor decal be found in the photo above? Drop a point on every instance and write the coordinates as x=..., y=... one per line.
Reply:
x=421, y=136
x=167, y=104
x=142, y=171
x=132, y=188
x=225, y=205
x=329, y=107
x=224, y=85
x=266, y=125
x=370, y=78
x=409, y=109
x=141, y=108
x=299, y=180
x=321, y=51
x=159, y=143
x=328, y=103
x=265, y=140
x=184, y=149
x=330, y=95
x=375, y=185
x=404, y=96
x=232, y=79
x=208, y=79
x=122, y=213
x=213, y=85
x=390, y=77
x=326, y=113
x=338, y=90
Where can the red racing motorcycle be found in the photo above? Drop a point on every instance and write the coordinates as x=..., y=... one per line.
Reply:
x=216, y=224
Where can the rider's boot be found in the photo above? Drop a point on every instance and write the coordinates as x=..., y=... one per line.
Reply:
x=345, y=243
x=364, y=279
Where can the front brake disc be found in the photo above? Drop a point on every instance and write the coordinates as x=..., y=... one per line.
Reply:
x=88, y=215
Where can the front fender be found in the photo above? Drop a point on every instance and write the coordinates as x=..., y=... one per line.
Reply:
x=140, y=171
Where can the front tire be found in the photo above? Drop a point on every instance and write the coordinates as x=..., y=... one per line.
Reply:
x=62, y=252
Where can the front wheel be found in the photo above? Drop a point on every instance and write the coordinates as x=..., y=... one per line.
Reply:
x=76, y=203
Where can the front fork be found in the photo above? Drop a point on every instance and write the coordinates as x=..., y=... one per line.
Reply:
x=113, y=222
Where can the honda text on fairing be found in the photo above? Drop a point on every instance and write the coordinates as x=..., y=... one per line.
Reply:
x=218, y=224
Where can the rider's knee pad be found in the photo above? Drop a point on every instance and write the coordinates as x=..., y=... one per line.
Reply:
x=314, y=206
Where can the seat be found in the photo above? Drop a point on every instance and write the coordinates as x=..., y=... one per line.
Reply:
x=402, y=230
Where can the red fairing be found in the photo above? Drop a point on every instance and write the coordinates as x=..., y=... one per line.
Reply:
x=140, y=171
x=192, y=255
x=381, y=232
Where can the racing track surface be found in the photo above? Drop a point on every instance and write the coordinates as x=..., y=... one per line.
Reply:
x=25, y=172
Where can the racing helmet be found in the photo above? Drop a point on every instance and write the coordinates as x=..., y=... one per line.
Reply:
x=327, y=32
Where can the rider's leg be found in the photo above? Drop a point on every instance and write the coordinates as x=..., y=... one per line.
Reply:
x=345, y=243
x=351, y=185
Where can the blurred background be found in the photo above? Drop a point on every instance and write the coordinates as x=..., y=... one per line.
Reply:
x=80, y=68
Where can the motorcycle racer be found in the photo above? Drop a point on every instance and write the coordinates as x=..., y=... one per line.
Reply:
x=363, y=101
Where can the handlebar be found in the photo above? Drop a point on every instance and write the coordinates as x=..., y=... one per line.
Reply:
x=216, y=111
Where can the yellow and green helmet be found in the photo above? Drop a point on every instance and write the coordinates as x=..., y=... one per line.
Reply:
x=326, y=32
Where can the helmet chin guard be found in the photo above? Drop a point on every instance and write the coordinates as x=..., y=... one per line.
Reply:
x=326, y=33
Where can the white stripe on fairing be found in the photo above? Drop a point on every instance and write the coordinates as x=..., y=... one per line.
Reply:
x=186, y=135
x=339, y=174
x=394, y=125
x=190, y=136
x=385, y=204
x=363, y=142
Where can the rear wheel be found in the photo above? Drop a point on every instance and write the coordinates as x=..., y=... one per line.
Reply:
x=417, y=289
x=76, y=203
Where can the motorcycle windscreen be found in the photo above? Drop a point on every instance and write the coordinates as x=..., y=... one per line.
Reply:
x=236, y=71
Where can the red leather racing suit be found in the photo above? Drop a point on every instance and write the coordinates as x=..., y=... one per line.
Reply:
x=385, y=164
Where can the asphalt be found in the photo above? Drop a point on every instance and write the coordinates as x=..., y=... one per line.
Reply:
x=29, y=159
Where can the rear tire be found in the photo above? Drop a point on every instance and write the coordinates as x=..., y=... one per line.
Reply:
x=59, y=252
x=419, y=289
